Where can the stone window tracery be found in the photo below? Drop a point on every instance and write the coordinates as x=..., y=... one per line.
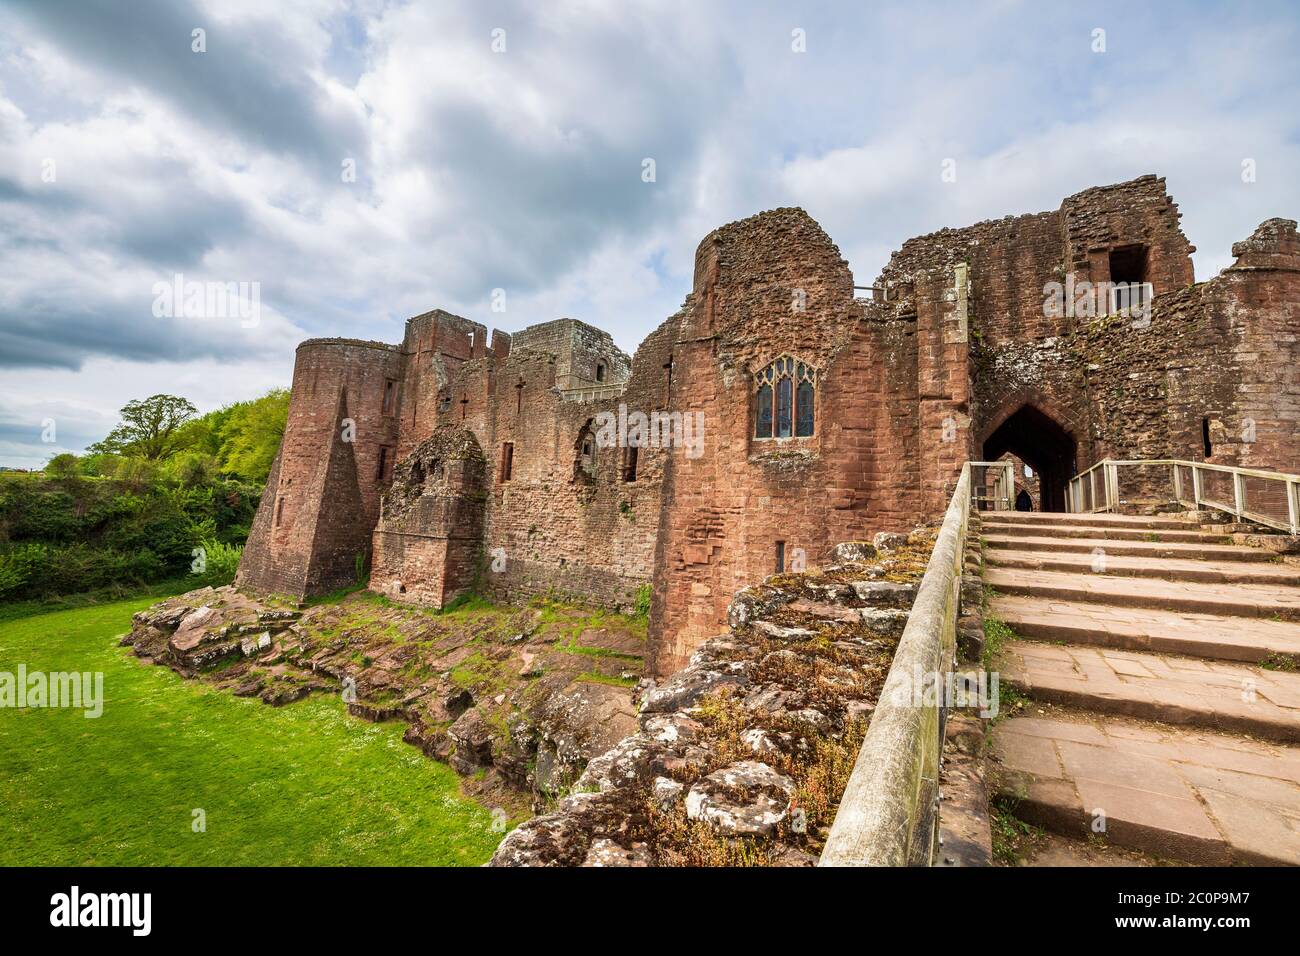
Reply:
x=785, y=399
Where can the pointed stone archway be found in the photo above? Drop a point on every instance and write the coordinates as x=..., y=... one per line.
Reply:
x=1042, y=443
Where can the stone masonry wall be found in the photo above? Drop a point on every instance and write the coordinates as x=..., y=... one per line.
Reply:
x=956, y=357
x=430, y=530
x=742, y=755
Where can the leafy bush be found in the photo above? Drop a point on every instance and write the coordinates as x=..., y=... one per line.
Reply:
x=222, y=561
x=643, y=595
x=66, y=535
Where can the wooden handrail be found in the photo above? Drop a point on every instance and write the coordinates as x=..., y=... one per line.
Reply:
x=1079, y=502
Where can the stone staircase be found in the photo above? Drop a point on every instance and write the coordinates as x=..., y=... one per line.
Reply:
x=1158, y=659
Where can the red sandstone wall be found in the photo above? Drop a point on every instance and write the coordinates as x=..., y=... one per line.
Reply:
x=325, y=490
x=908, y=389
x=429, y=540
x=726, y=510
x=591, y=538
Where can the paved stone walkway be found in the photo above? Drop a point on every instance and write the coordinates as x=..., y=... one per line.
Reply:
x=1244, y=600
x=1150, y=716
x=1215, y=636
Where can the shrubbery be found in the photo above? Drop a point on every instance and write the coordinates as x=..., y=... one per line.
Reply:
x=137, y=508
x=60, y=535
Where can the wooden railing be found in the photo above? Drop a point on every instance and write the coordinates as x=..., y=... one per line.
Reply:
x=997, y=493
x=1269, y=498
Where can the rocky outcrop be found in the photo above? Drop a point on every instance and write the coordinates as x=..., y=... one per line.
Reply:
x=742, y=755
x=512, y=698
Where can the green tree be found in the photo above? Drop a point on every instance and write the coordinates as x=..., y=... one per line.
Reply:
x=250, y=435
x=62, y=466
x=151, y=428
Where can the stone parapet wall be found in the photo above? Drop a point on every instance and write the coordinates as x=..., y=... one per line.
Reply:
x=889, y=813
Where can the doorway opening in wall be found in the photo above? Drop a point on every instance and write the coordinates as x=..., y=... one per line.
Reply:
x=1128, y=264
x=1044, y=445
x=1024, y=502
x=1128, y=278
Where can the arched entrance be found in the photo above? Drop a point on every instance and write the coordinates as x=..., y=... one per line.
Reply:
x=1043, y=444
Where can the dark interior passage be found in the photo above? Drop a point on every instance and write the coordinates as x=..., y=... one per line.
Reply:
x=1042, y=444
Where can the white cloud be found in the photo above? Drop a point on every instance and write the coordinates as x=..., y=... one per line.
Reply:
x=521, y=170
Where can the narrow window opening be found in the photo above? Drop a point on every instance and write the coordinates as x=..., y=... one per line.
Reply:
x=507, y=460
x=390, y=396
x=584, y=464
x=804, y=403
x=600, y=371
x=279, y=512
x=780, y=557
x=1206, y=447
x=385, y=462
x=764, y=427
x=629, y=463
x=784, y=406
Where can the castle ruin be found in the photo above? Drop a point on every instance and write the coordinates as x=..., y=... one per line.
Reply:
x=829, y=412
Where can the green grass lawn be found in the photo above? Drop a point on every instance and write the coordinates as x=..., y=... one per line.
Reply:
x=299, y=785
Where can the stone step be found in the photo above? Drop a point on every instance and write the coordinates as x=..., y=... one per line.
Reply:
x=1170, y=522
x=1107, y=532
x=1144, y=629
x=1236, y=600
x=1171, y=792
x=1193, y=550
x=1216, y=695
x=1102, y=562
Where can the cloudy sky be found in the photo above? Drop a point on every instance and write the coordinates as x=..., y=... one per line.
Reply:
x=367, y=161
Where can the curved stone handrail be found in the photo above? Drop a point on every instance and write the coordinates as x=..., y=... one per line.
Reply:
x=888, y=814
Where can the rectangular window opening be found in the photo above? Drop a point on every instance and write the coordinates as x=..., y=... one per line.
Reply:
x=507, y=460
x=780, y=557
x=629, y=463
x=390, y=396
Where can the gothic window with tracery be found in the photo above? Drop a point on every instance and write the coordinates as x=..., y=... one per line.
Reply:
x=785, y=399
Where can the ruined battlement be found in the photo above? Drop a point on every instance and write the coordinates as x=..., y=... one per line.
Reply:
x=822, y=417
